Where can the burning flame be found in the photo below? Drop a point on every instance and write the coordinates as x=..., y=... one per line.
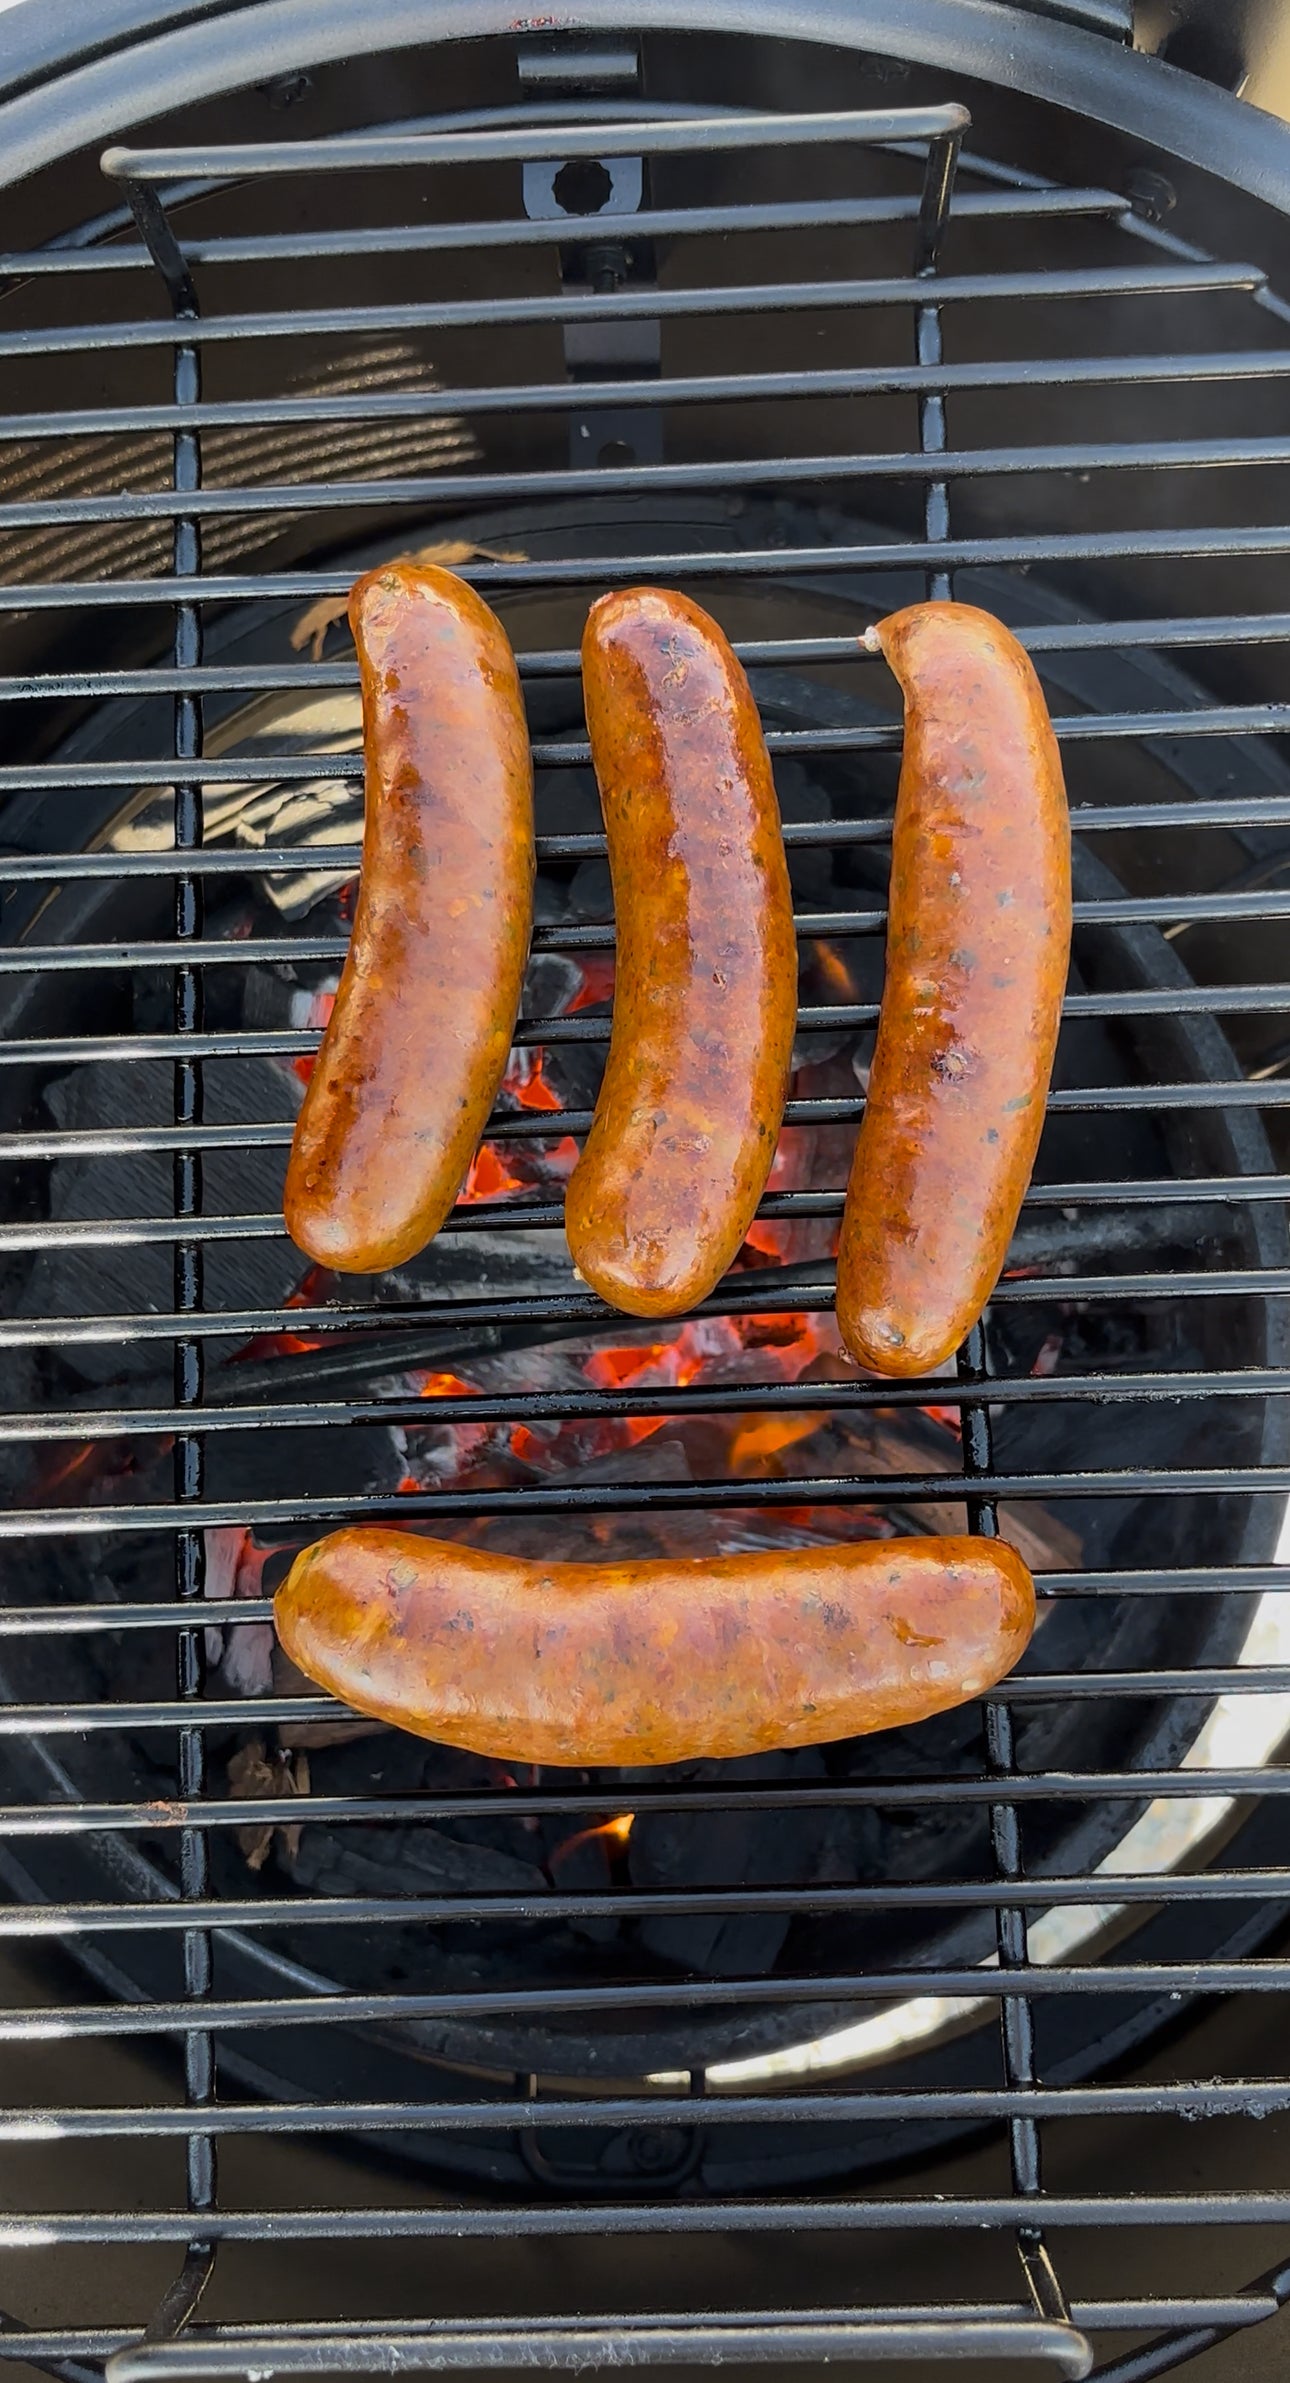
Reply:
x=613, y=1833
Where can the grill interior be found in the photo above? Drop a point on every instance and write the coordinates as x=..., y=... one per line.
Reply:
x=807, y=369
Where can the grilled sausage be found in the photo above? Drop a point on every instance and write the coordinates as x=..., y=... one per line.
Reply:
x=978, y=941
x=705, y=991
x=417, y=1044
x=652, y=1661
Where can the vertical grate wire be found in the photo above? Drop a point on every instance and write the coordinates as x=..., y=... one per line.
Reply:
x=180, y=2301
x=1016, y=2016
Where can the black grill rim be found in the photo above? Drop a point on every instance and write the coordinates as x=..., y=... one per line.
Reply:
x=963, y=39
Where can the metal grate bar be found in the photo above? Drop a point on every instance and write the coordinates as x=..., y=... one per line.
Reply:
x=61, y=1720
x=823, y=925
x=66, y=1050
x=634, y=1497
x=1146, y=368
x=184, y=2293
x=453, y=489
x=553, y=1124
x=560, y=2348
x=1205, y=629
x=1058, y=1787
x=1016, y=2023
x=1253, y=2307
x=507, y=1215
x=362, y=1911
x=1223, y=541
x=1241, y=2097
x=625, y=305
x=25, y=1621
x=1267, y=810
x=521, y=144
x=237, y=769
x=243, y=2342
x=741, y=1296
x=96, y=2021
x=794, y=215
x=48, y=2229
x=550, y=1406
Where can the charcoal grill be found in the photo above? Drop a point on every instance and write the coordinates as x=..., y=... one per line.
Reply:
x=905, y=304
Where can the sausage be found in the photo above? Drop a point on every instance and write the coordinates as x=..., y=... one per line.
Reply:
x=417, y=1044
x=655, y=1660
x=978, y=943
x=705, y=992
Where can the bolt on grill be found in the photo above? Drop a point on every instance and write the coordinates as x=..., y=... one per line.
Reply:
x=759, y=2050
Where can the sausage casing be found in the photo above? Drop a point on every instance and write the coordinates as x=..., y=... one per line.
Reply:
x=705, y=990
x=654, y=1660
x=417, y=1044
x=978, y=944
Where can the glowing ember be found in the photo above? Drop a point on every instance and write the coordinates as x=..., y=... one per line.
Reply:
x=562, y=1159
x=525, y=1077
x=490, y=1178
x=443, y=1386
x=770, y=1241
x=610, y=1368
x=756, y=1445
x=833, y=968
x=597, y=982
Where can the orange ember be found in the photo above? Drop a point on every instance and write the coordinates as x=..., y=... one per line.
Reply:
x=490, y=1178
x=525, y=1077
x=597, y=982
x=563, y=1158
x=444, y=1386
x=771, y=1241
x=756, y=1444
x=610, y=1368
x=834, y=970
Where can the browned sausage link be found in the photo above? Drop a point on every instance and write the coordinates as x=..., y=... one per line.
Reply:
x=660, y=1660
x=705, y=992
x=978, y=942
x=417, y=1044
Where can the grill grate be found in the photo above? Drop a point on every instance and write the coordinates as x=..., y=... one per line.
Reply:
x=1135, y=1227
